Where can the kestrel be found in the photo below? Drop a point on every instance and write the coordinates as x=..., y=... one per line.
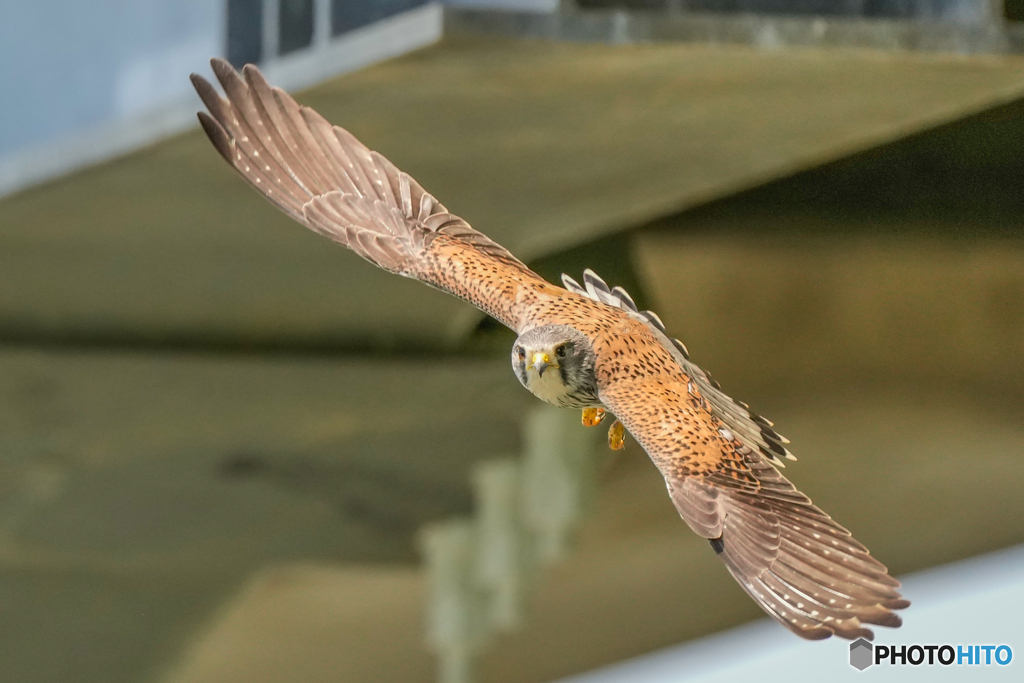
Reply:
x=579, y=346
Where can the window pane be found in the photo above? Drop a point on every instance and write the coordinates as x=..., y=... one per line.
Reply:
x=349, y=14
x=296, y=24
x=245, y=32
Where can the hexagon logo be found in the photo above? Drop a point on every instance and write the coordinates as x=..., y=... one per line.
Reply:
x=861, y=654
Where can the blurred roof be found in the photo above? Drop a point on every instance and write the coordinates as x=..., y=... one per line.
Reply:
x=543, y=146
x=639, y=581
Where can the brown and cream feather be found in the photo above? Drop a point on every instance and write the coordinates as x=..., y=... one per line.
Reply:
x=715, y=454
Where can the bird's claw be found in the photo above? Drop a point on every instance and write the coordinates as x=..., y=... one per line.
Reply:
x=592, y=416
x=616, y=436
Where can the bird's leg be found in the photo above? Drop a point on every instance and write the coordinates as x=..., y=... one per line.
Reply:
x=616, y=436
x=592, y=416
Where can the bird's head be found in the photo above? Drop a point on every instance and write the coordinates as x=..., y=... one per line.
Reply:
x=556, y=363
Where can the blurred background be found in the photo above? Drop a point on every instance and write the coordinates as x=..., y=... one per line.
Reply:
x=227, y=447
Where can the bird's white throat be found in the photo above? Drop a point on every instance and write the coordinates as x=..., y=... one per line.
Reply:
x=549, y=386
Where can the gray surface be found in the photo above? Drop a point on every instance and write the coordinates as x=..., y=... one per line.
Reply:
x=902, y=263
x=768, y=30
x=542, y=146
x=965, y=602
x=138, y=492
x=908, y=470
x=72, y=625
x=349, y=451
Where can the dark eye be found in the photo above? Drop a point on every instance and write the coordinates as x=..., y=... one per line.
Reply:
x=522, y=352
x=560, y=351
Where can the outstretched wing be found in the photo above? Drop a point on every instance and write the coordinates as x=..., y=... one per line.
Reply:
x=324, y=178
x=798, y=564
x=754, y=430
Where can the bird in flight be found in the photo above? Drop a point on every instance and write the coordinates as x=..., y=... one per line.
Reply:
x=579, y=346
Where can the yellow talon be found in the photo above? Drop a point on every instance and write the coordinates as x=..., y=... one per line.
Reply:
x=592, y=416
x=616, y=436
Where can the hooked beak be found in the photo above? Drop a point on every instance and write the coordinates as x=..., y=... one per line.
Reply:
x=541, y=362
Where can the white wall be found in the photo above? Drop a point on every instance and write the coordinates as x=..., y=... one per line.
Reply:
x=72, y=65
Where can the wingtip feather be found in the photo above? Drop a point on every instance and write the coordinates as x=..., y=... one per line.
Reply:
x=223, y=70
x=217, y=135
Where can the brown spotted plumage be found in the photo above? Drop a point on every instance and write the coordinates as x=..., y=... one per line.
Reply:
x=716, y=456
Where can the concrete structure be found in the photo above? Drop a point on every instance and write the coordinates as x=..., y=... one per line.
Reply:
x=220, y=437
